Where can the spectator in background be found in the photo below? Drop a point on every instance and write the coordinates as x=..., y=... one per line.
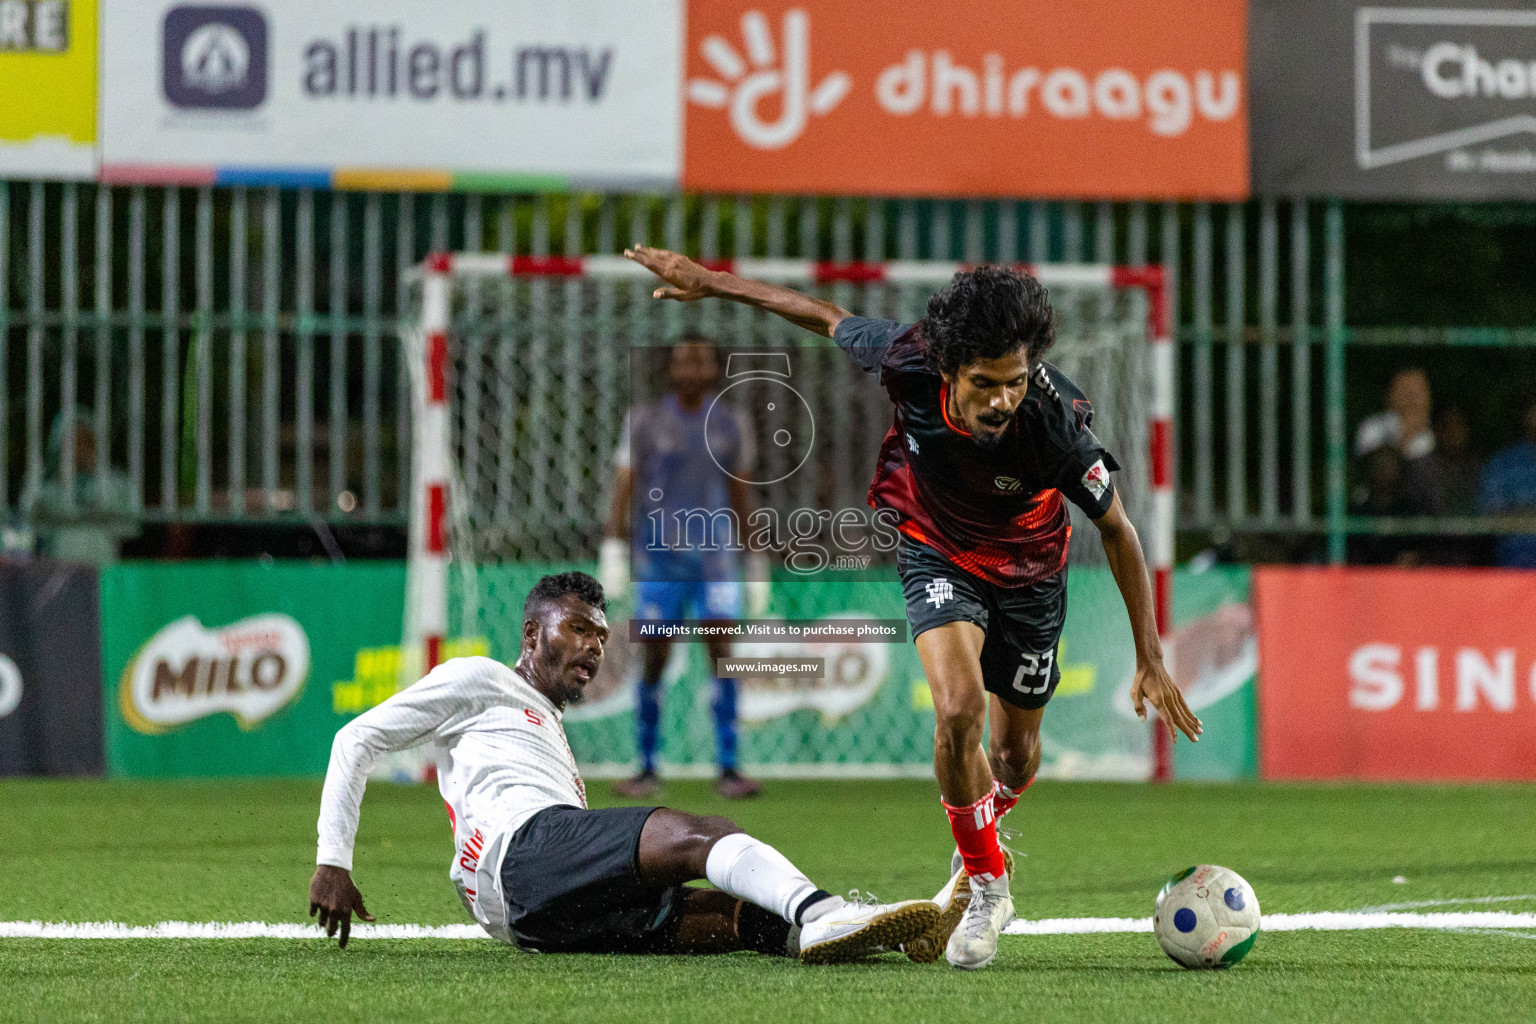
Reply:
x=1393, y=474
x=1509, y=489
x=1445, y=483
x=87, y=522
x=1401, y=430
x=1453, y=472
x=1404, y=423
x=1381, y=492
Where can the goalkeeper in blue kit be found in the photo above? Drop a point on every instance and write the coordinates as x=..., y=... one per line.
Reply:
x=667, y=470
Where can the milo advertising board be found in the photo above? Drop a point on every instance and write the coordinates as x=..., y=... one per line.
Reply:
x=220, y=669
x=234, y=668
x=870, y=713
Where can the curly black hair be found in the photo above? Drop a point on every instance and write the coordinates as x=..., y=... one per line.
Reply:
x=552, y=588
x=986, y=313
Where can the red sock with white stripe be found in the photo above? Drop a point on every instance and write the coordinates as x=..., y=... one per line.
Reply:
x=975, y=830
x=1004, y=798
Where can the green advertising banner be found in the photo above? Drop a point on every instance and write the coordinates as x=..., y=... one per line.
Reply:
x=243, y=668
x=873, y=714
x=1215, y=653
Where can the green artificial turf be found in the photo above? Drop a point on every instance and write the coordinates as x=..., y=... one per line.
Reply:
x=138, y=853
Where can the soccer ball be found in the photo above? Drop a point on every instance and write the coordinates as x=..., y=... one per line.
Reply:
x=1206, y=917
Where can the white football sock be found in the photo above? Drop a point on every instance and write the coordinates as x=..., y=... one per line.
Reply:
x=751, y=870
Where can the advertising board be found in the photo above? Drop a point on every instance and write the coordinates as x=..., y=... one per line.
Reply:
x=1397, y=674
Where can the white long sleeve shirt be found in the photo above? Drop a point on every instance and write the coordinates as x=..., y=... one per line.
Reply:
x=501, y=756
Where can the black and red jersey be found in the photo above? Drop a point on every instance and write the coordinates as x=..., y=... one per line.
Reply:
x=996, y=512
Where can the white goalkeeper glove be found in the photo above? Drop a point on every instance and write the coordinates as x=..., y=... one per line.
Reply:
x=758, y=586
x=613, y=567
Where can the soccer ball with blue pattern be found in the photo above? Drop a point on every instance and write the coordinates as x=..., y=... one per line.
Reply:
x=1206, y=917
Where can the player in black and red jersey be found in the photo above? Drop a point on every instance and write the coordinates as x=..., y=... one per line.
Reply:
x=988, y=439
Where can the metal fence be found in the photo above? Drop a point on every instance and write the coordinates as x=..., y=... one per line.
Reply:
x=231, y=354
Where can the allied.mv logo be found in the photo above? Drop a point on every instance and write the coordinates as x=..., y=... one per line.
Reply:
x=766, y=71
x=939, y=591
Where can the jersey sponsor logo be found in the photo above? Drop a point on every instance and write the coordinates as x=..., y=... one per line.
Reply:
x=250, y=669
x=1096, y=479
x=912, y=443
x=939, y=591
x=1007, y=483
x=469, y=853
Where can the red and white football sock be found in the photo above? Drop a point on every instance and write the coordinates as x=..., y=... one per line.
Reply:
x=975, y=830
x=1004, y=798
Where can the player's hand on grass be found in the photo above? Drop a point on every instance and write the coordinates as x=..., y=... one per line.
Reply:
x=333, y=895
x=687, y=281
x=1153, y=684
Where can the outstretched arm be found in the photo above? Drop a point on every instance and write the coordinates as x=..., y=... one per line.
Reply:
x=687, y=281
x=1152, y=682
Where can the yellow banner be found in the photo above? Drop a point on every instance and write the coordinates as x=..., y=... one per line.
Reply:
x=48, y=88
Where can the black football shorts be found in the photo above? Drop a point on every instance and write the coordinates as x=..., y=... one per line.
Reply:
x=1023, y=624
x=572, y=883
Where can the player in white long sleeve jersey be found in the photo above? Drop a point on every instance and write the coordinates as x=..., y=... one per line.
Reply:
x=538, y=869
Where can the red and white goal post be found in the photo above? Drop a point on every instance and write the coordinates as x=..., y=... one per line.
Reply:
x=440, y=276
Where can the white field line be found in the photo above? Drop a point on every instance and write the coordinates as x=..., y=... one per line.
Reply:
x=1324, y=921
x=226, y=930
x=1420, y=904
x=1508, y=933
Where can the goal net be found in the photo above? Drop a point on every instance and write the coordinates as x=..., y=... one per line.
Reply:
x=524, y=369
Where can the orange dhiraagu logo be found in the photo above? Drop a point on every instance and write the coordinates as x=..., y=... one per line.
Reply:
x=250, y=669
x=1095, y=99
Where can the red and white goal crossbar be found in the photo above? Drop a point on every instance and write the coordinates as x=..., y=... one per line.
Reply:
x=432, y=432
